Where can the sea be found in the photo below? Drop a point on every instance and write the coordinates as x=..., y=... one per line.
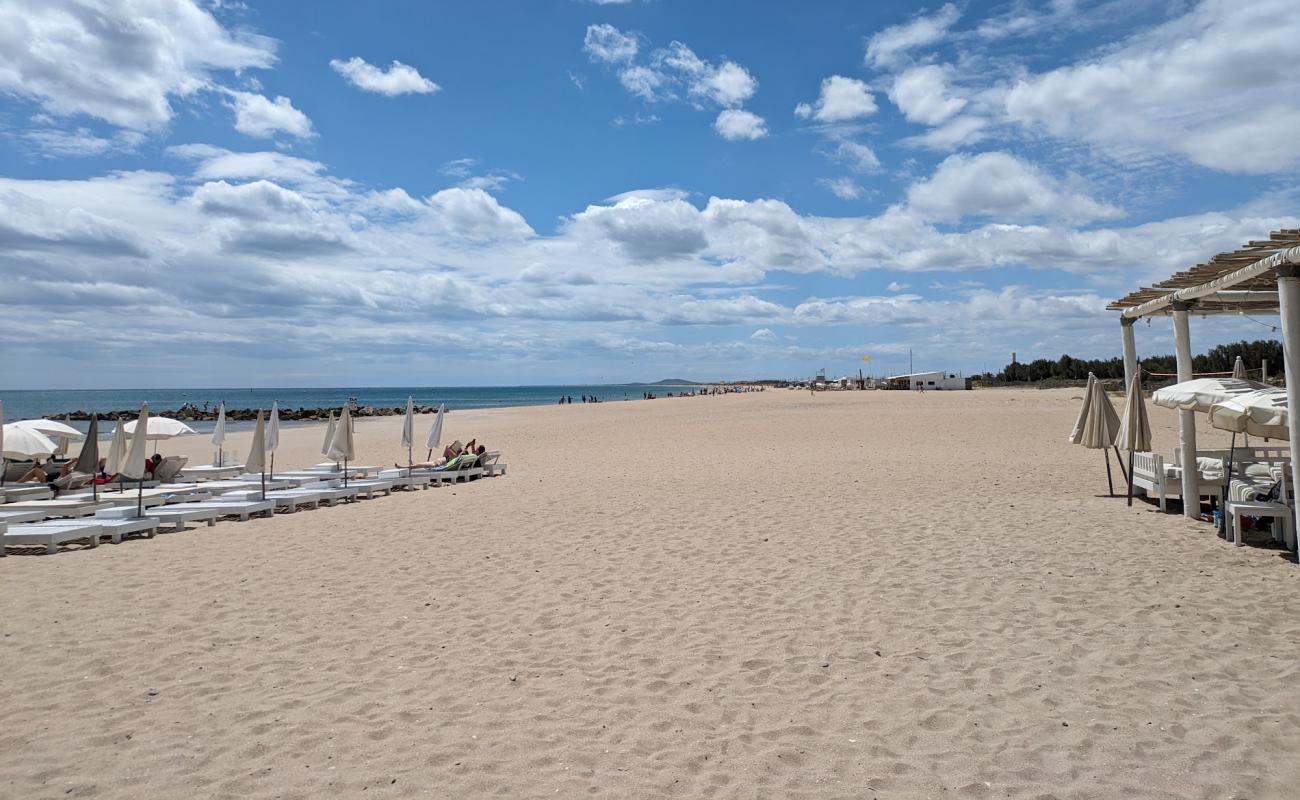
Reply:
x=31, y=404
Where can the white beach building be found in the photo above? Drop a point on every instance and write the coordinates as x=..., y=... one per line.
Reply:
x=927, y=381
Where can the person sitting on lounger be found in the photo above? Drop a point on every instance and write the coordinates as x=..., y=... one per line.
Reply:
x=151, y=464
x=36, y=474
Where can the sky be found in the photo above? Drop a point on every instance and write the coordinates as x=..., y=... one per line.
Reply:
x=414, y=193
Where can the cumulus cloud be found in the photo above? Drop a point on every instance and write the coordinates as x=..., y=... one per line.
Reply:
x=841, y=99
x=121, y=62
x=398, y=79
x=891, y=46
x=736, y=124
x=262, y=118
x=997, y=184
x=763, y=335
x=923, y=95
x=1216, y=85
x=609, y=45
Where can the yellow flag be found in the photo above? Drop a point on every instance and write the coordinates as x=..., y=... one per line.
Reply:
x=866, y=358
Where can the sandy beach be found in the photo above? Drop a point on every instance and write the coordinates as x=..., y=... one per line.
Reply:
x=853, y=595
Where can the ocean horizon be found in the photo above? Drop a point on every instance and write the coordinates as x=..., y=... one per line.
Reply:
x=35, y=403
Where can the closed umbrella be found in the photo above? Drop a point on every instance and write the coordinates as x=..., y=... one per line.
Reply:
x=116, y=452
x=273, y=435
x=256, y=461
x=329, y=436
x=1083, y=410
x=133, y=462
x=408, y=430
x=4, y=466
x=435, y=433
x=343, y=447
x=1100, y=425
x=1239, y=369
x=88, y=459
x=219, y=435
x=1134, y=428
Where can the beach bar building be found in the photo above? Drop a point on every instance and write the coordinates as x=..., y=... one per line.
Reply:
x=1262, y=277
x=927, y=381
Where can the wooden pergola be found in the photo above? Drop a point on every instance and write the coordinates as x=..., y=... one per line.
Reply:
x=1262, y=277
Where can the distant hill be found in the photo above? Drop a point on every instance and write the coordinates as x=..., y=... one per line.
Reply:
x=668, y=382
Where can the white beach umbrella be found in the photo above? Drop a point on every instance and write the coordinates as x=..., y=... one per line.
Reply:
x=133, y=462
x=435, y=433
x=256, y=461
x=408, y=429
x=1083, y=411
x=343, y=447
x=219, y=435
x=4, y=467
x=1100, y=425
x=23, y=443
x=116, y=450
x=51, y=428
x=1134, y=428
x=1261, y=413
x=1239, y=369
x=161, y=428
x=329, y=436
x=1199, y=394
x=273, y=434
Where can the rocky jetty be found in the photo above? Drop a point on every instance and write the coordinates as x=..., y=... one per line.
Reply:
x=194, y=414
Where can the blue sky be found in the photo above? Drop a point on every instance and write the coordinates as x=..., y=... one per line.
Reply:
x=200, y=193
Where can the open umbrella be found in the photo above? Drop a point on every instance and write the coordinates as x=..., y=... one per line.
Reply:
x=343, y=447
x=1134, y=428
x=256, y=461
x=51, y=428
x=408, y=429
x=1262, y=412
x=219, y=435
x=88, y=459
x=435, y=433
x=1100, y=425
x=1239, y=369
x=273, y=435
x=132, y=465
x=161, y=428
x=1199, y=394
x=22, y=443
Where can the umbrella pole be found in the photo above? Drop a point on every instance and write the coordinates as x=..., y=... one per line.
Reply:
x=1227, y=487
x=1109, y=481
x=263, y=484
x=139, y=498
x=1120, y=461
x=272, y=468
x=1130, y=480
x=345, y=473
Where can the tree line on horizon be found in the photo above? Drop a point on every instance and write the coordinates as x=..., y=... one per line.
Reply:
x=1068, y=368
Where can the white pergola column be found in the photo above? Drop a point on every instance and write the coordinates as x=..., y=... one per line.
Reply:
x=1187, y=419
x=1130, y=350
x=1288, y=293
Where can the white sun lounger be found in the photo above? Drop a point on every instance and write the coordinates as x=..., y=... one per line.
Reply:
x=176, y=516
x=245, y=484
x=198, y=473
x=53, y=509
x=359, y=470
x=114, y=529
x=401, y=480
x=17, y=492
x=491, y=466
x=51, y=536
x=292, y=499
x=244, y=509
x=370, y=486
x=331, y=493
x=18, y=515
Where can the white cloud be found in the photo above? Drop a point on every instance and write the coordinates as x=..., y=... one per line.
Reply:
x=895, y=286
x=922, y=94
x=398, y=79
x=729, y=85
x=257, y=116
x=474, y=214
x=856, y=155
x=1217, y=85
x=648, y=84
x=81, y=142
x=121, y=63
x=735, y=124
x=841, y=99
x=608, y=44
x=997, y=184
x=843, y=188
x=957, y=132
x=763, y=335
x=890, y=46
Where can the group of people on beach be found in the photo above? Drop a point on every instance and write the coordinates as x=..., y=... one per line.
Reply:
x=567, y=399
x=45, y=472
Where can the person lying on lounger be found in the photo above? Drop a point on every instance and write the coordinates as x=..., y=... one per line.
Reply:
x=36, y=474
x=449, y=463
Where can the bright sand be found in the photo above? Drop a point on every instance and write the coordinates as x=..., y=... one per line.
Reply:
x=773, y=595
